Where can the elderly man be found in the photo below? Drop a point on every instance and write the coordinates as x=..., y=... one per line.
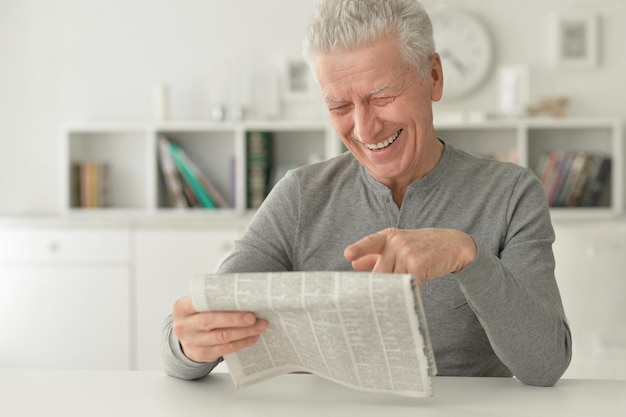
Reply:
x=476, y=232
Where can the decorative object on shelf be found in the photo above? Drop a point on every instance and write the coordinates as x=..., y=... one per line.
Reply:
x=237, y=112
x=265, y=94
x=466, y=51
x=217, y=113
x=238, y=90
x=162, y=102
x=576, y=41
x=514, y=89
x=555, y=107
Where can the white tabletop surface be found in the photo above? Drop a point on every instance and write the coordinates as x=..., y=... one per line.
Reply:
x=153, y=394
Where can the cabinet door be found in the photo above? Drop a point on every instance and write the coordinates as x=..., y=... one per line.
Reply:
x=64, y=317
x=166, y=260
x=591, y=260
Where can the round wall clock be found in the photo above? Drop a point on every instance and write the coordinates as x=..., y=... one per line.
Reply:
x=466, y=51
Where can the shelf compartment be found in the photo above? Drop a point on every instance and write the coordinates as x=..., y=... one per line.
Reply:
x=125, y=152
x=213, y=151
x=592, y=138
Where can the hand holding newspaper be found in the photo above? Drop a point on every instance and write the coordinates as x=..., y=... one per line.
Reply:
x=363, y=330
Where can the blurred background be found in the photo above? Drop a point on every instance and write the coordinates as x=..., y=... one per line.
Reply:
x=135, y=69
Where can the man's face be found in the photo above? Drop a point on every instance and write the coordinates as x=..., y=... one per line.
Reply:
x=382, y=109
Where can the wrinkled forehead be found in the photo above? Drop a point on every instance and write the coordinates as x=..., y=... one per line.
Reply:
x=365, y=70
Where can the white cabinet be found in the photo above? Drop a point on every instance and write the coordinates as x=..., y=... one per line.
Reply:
x=165, y=261
x=94, y=297
x=590, y=266
x=64, y=298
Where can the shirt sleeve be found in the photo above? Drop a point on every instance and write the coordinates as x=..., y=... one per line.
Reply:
x=269, y=241
x=175, y=362
x=515, y=295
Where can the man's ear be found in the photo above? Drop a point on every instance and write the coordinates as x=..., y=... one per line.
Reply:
x=436, y=77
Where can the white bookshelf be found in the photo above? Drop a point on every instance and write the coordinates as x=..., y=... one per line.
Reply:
x=136, y=183
x=137, y=187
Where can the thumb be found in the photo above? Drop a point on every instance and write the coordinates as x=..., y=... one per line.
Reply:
x=183, y=307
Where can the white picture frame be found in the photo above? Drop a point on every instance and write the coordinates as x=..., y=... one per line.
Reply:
x=576, y=41
x=298, y=81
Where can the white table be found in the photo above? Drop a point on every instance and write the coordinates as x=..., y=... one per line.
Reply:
x=47, y=393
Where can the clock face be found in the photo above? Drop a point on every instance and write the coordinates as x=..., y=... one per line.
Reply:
x=466, y=52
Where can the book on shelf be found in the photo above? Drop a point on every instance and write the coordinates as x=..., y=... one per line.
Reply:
x=75, y=199
x=171, y=176
x=258, y=166
x=233, y=180
x=573, y=178
x=186, y=184
x=363, y=330
x=577, y=180
x=599, y=179
x=213, y=193
x=190, y=178
x=572, y=171
x=89, y=184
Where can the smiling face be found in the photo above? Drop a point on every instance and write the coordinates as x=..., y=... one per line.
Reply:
x=382, y=109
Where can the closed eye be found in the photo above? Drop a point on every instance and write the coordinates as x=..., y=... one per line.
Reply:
x=382, y=101
x=339, y=109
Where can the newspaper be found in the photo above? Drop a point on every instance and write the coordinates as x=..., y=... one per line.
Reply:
x=363, y=330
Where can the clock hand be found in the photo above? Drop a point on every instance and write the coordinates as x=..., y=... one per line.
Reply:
x=460, y=66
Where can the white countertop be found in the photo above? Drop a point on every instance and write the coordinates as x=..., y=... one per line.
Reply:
x=49, y=393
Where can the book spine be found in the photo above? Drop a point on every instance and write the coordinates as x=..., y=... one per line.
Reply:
x=259, y=160
x=193, y=182
x=170, y=174
x=573, y=199
x=211, y=190
x=89, y=184
x=75, y=185
x=599, y=178
x=548, y=172
x=233, y=181
x=570, y=176
x=574, y=179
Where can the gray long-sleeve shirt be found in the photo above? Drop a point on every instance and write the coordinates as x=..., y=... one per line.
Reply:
x=500, y=316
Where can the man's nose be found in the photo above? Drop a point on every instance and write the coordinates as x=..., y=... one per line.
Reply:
x=366, y=123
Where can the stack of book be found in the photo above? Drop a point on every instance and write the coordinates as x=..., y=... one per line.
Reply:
x=186, y=185
x=574, y=178
x=89, y=184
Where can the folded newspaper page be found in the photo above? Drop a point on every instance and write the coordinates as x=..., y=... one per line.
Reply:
x=363, y=330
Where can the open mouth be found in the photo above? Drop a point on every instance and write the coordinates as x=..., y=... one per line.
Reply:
x=383, y=144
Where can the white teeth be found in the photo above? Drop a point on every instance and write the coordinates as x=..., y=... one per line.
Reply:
x=383, y=144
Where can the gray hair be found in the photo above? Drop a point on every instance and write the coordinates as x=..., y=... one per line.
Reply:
x=343, y=24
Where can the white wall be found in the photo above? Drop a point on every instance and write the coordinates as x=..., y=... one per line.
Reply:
x=75, y=61
x=522, y=33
